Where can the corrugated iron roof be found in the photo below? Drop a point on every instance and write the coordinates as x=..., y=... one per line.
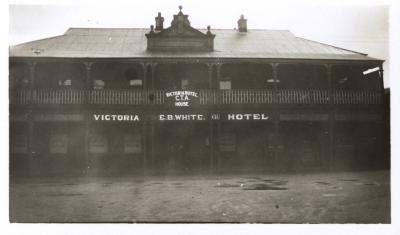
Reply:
x=228, y=43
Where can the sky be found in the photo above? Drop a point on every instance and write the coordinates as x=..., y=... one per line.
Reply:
x=362, y=28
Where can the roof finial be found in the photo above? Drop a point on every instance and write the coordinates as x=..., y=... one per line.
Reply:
x=180, y=8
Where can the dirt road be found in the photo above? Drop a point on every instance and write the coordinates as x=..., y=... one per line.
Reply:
x=357, y=197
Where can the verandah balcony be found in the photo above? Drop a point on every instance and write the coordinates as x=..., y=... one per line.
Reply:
x=206, y=97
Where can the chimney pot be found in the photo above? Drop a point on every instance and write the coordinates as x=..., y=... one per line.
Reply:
x=242, y=24
x=159, y=22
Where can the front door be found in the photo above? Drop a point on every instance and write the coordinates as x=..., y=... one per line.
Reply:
x=182, y=147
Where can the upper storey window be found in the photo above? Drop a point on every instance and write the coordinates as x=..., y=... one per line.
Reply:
x=356, y=77
x=302, y=76
x=132, y=76
x=225, y=84
x=65, y=83
x=98, y=84
x=115, y=75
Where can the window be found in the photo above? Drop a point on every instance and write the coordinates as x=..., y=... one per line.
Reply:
x=184, y=84
x=18, y=143
x=67, y=82
x=98, y=84
x=98, y=144
x=58, y=143
x=225, y=84
x=227, y=142
x=135, y=83
x=132, y=143
x=132, y=76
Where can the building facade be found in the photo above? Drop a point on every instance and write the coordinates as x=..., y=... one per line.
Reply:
x=179, y=99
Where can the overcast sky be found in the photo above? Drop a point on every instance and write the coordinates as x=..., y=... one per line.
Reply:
x=354, y=27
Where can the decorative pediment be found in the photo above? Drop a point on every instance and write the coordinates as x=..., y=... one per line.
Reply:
x=180, y=36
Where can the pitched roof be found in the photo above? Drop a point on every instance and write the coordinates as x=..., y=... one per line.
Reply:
x=228, y=43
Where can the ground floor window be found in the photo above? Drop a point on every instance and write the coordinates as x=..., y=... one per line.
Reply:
x=132, y=143
x=98, y=143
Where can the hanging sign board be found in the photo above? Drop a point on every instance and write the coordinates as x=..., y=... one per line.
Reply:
x=182, y=98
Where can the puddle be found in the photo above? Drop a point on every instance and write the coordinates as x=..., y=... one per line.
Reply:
x=282, y=182
x=107, y=184
x=269, y=180
x=253, y=177
x=156, y=183
x=352, y=180
x=370, y=184
x=64, y=194
x=322, y=183
x=329, y=195
x=263, y=187
x=225, y=185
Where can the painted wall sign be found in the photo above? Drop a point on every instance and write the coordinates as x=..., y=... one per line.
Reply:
x=181, y=117
x=185, y=117
x=182, y=98
x=116, y=117
x=247, y=116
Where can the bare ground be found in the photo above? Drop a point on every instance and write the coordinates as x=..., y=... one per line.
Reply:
x=346, y=197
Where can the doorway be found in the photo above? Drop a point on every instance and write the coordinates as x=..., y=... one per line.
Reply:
x=182, y=147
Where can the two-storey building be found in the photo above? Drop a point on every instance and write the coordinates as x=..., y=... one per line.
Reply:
x=180, y=99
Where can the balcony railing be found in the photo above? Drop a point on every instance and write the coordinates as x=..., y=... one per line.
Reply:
x=206, y=97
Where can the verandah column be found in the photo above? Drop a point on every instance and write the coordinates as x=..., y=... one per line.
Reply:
x=331, y=120
x=153, y=71
x=144, y=119
x=384, y=133
x=88, y=84
x=219, y=107
x=30, y=116
x=276, y=114
x=211, y=124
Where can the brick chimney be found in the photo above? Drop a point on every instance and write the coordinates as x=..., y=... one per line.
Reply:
x=242, y=24
x=159, y=22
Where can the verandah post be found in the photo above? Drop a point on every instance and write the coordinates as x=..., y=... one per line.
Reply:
x=331, y=146
x=88, y=82
x=276, y=115
x=219, y=106
x=30, y=116
x=211, y=124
